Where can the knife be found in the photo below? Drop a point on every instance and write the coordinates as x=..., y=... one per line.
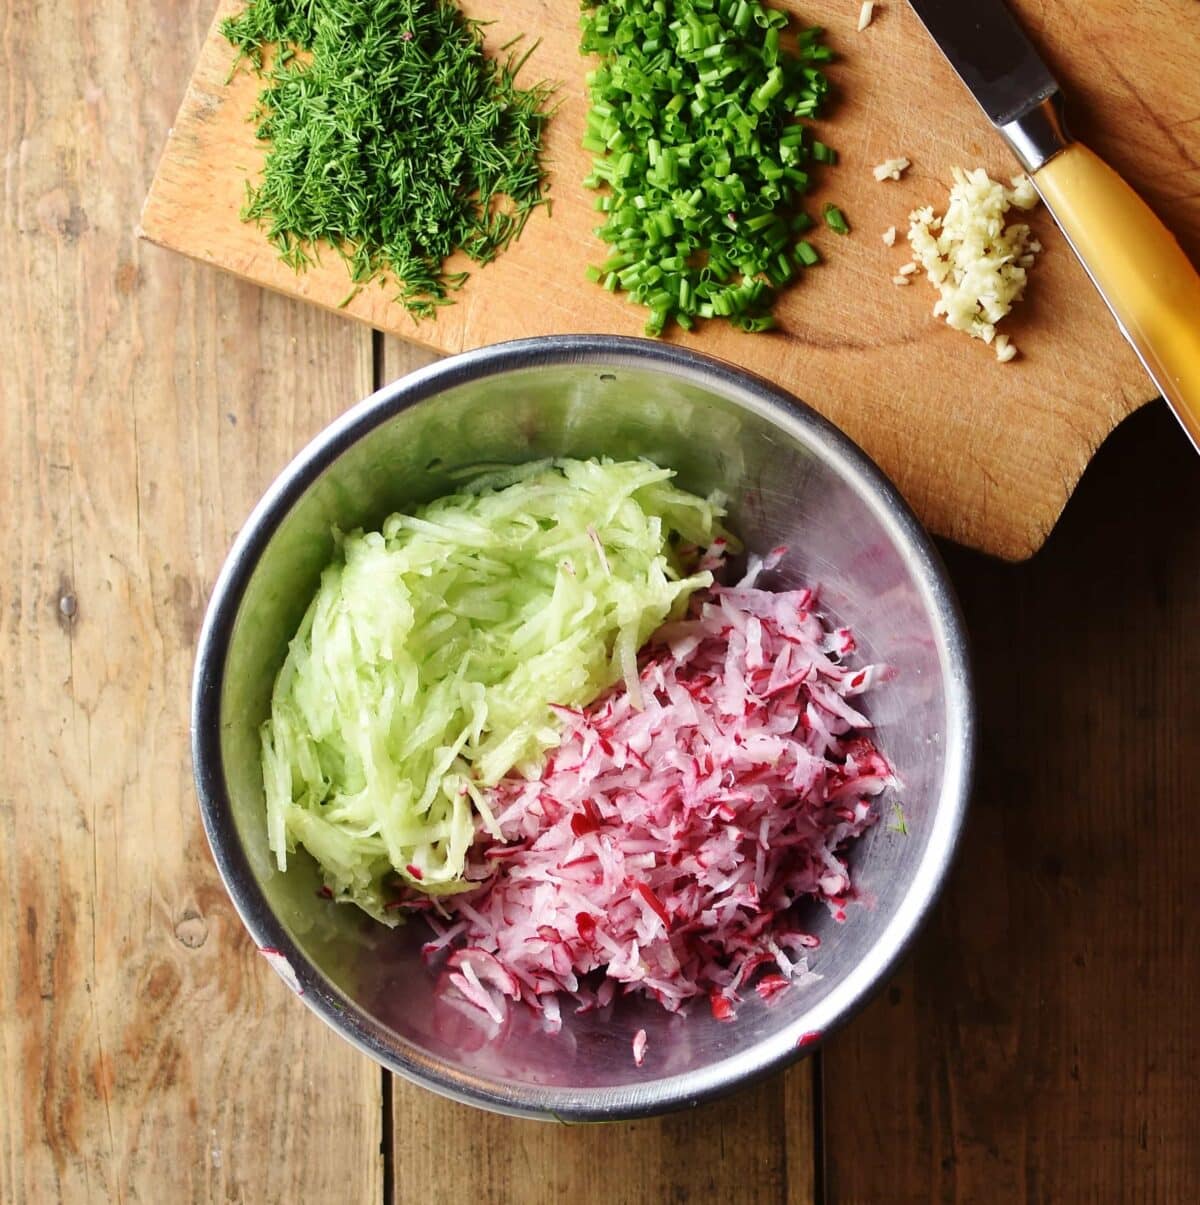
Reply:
x=1134, y=261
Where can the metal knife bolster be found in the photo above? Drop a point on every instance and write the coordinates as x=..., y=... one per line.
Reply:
x=1039, y=133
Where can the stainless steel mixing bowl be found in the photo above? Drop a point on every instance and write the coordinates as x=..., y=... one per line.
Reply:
x=791, y=478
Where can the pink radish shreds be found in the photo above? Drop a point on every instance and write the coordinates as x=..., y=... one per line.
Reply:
x=663, y=846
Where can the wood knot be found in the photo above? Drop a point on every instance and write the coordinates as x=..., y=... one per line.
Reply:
x=192, y=930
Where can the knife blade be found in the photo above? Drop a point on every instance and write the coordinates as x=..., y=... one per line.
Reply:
x=991, y=55
x=1140, y=270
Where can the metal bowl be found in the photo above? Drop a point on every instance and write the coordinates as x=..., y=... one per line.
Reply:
x=791, y=478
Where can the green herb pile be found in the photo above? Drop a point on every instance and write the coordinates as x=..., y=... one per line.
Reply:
x=695, y=114
x=394, y=138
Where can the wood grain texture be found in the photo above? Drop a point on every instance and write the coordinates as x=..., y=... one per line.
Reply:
x=754, y=1148
x=146, y=1052
x=986, y=453
x=1040, y=1044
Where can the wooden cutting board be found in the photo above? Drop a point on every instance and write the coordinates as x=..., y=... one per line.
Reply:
x=987, y=453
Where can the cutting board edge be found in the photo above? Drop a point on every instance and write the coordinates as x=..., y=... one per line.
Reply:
x=1006, y=545
x=1020, y=537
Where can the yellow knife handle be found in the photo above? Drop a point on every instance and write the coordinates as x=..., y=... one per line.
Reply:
x=1141, y=271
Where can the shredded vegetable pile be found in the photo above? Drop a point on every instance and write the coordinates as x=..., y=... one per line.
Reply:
x=694, y=117
x=424, y=670
x=665, y=841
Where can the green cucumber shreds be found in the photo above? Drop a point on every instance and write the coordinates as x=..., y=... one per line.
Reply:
x=393, y=138
x=427, y=664
x=695, y=120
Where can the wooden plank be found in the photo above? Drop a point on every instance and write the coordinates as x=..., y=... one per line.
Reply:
x=146, y=1052
x=754, y=1147
x=987, y=453
x=1040, y=1044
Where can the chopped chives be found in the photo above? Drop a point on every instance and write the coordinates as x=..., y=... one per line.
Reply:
x=807, y=254
x=763, y=322
x=835, y=219
x=698, y=103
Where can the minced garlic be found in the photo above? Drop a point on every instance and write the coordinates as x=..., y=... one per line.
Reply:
x=1005, y=350
x=977, y=263
x=890, y=169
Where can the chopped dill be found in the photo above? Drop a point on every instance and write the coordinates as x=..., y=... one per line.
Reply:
x=393, y=138
x=899, y=823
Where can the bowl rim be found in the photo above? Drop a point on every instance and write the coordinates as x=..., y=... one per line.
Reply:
x=747, y=391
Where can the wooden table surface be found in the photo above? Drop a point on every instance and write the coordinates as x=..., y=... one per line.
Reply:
x=1038, y=1045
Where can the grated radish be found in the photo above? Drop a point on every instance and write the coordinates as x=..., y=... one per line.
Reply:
x=639, y=1047
x=662, y=846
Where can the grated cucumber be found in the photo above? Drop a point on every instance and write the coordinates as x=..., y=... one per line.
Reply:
x=426, y=664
